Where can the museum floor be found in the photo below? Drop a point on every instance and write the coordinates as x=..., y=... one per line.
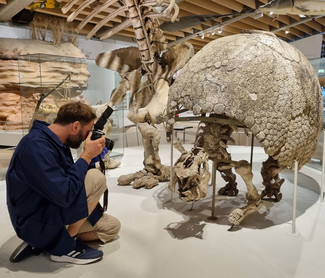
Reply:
x=161, y=237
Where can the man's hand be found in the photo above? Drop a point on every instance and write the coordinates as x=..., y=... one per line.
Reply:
x=92, y=148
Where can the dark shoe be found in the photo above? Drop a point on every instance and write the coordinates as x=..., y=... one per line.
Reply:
x=81, y=254
x=23, y=251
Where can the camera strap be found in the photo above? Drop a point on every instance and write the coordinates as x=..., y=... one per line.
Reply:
x=105, y=196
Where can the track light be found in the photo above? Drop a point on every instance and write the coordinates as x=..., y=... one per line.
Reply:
x=219, y=30
x=302, y=16
x=271, y=13
x=202, y=37
x=287, y=31
x=258, y=14
x=213, y=32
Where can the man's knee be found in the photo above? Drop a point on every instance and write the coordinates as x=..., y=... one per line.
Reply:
x=107, y=228
x=95, y=183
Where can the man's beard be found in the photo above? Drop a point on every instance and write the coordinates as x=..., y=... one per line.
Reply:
x=74, y=141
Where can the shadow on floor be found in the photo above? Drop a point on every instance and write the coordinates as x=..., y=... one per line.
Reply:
x=34, y=264
x=196, y=215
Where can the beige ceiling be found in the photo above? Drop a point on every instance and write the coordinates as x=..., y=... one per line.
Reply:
x=298, y=27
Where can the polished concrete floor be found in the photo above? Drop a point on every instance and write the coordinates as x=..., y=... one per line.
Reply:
x=162, y=237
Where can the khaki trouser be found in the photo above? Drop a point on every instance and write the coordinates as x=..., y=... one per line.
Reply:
x=107, y=226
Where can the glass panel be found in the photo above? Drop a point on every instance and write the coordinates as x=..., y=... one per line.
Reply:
x=319, y=67
x=100, y=85
x=48, y=81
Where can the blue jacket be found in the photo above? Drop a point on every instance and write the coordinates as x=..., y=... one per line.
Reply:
x=45, y=190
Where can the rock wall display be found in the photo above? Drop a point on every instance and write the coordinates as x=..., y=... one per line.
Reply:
x=43, y=70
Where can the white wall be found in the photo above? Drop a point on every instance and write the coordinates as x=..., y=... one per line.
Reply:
x=91, y=48
x=311, y=47
x=13, y=33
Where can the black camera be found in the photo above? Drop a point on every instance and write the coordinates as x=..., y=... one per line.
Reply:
x=99, y=125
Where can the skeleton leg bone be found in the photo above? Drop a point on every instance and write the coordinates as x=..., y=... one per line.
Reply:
x=244, y=169
x=230, y=188
x=270, y=173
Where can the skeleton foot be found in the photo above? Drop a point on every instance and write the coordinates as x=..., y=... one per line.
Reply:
x=229, y=190
x=273, y=190
x=271, y=180
x=109, y=163
x=146, y=181
x=244, y=169
x=238, y=215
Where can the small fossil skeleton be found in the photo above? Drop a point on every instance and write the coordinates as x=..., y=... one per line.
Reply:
x=256, y=81
x=191, y=172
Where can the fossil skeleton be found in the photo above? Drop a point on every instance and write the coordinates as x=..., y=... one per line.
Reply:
x=255, y=79
x=305, y=7
x=146, y=71
x=142, y=15
x=259, y=82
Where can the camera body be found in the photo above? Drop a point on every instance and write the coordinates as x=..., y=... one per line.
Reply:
x=99, y=125
x=109, y=144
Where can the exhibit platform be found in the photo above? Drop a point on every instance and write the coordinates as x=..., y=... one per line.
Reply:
x=161, y=237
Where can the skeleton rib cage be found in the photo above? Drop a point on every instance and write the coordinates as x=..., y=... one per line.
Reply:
x=142, y=14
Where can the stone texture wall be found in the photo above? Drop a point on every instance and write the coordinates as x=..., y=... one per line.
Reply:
x=34, y=77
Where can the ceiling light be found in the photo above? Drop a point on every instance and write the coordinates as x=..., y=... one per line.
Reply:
x=302, y=16
x=287, y=31
x=271, y=13
x=213, y=32
x=258, y=14
x=219, y=30
x=202, y=37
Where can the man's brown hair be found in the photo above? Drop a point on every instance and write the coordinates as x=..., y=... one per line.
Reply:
x=75, y=111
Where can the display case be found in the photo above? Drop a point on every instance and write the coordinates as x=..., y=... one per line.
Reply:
x=49, y=81
x=317, y=159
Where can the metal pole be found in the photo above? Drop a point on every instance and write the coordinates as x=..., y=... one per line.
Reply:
x=294, y=198
x=252, y=149
x=323, y=171
x=214, y=174
x=171, y=162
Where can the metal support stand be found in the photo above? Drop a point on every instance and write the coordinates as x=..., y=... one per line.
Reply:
x=214, y=178
x=294, y=198
x=252, y=149
x=171, y=163
x=321, y=199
